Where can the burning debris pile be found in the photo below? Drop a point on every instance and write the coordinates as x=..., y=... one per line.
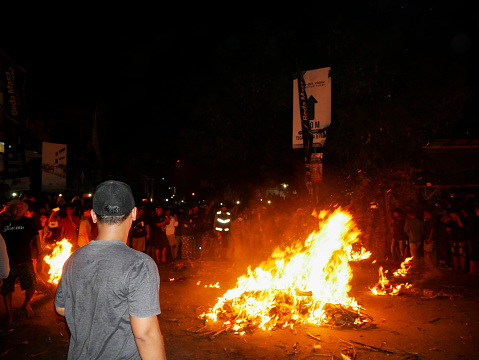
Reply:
x=304, y=283
x=384, y=287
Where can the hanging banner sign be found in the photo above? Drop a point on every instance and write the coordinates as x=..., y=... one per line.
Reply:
x=13, y=80
x=305, y=129
x=318, y=90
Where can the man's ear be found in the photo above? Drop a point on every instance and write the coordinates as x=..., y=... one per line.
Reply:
x=93, y=216
x=134, y=213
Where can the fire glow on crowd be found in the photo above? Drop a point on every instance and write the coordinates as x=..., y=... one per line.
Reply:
x=302, y=283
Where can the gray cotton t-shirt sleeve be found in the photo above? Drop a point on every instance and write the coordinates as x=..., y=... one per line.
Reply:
x=143, y=289
x=59, y=300
x=59, y=297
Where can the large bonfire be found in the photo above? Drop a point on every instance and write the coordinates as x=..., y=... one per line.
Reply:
x=305, y=283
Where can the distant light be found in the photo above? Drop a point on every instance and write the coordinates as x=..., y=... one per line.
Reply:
x=192, y=194
x=60, y=195
x=269, y=201
x=237, y=201
x=14, y=194
x=89, y=195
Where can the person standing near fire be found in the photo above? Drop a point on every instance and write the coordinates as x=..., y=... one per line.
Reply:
x=170, y=229
x=457, y=240
x=160, y=241
x=85, y=229
x=222, y=226
x=121, y=322
x=140, y=231
x=399, y=239
x=69, y=226
x=414, y=228
x=19, y=232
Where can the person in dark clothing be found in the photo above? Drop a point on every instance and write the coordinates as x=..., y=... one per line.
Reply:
x=19, y=232
x=474, y=243
x=140, y=231
x=158, y=234
x=399, y=239
x=455, y=227
x=443, y=237
x=429, y=238
x=197, y=231
x=187, y=234
x=414, y=228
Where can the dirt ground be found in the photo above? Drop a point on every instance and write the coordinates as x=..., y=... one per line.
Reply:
x=418, y=326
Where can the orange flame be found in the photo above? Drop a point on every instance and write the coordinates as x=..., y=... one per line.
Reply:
x=61, y=252
x=299, y=280
x=383, y=287
x=405, y=266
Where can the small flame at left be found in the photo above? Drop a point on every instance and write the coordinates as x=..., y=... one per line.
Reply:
x=61, y=252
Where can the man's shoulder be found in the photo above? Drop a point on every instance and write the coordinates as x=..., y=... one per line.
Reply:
x=110, y=249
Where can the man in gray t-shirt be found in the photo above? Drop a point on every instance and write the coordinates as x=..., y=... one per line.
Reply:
x=109, y=293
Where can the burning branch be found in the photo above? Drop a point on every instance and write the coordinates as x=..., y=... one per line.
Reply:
x=383, y=287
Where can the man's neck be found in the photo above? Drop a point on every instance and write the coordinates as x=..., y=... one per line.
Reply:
x=113, y=232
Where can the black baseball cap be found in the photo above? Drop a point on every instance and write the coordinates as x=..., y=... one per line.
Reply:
x=113, y=198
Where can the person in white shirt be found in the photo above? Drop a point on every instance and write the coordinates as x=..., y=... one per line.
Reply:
x=170, y=231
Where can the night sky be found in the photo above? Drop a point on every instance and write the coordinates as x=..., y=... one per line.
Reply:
x=162, y=75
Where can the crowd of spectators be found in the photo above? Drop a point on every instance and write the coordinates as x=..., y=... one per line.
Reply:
x=443, y=234
x=167, y=231
x=57, y=217
x=255, y=229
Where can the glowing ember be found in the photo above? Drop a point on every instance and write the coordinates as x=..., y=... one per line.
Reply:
x=305, y=283
x=61, y=252
x=217, y=285
x=383, y=287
